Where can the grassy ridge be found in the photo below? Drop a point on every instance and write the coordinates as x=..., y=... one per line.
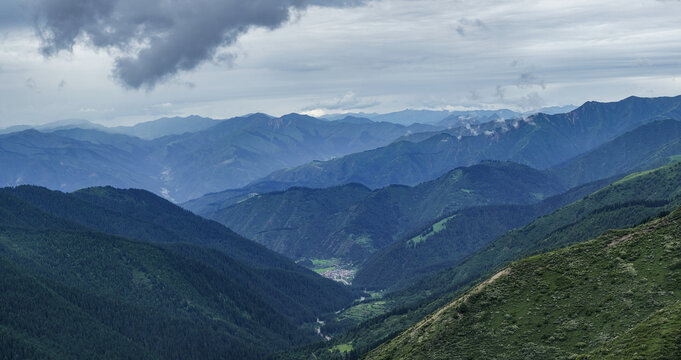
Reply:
x=626, y=203
x=459, y=235
x=559, y=304
x=655, y=338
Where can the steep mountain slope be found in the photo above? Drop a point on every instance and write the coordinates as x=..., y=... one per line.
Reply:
x=540, y=141
x=297, y=292
x=450, y=239
x=655, y=338
x=626, y=202
x=459, y=234
x=214, y=202
x=350, y=221
x=77, y=293
x=560, y=304
x=646, y=147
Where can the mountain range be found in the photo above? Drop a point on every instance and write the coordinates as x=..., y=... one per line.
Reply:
x=448, y=118
x=484, y=237
x=467, y=206
x=229, y=153
x=540, y=141
x=633, y=200
x=351, y=222
x=126, y=273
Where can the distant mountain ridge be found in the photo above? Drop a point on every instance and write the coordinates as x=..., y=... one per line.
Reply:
x=350, y=222
x=540, y=141
x=166, y=126
x=459, y=234
x=448, y=118
x=225, y=154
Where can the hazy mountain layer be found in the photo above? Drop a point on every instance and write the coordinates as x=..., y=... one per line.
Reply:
x=646, y=147
x=207, y=156
x=456, y=235
x=540, y=141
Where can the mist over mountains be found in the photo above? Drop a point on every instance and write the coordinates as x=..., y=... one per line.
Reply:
x=422, y=226
x=182, y=158
x=340, y=180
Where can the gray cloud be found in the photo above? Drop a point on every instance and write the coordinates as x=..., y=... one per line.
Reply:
x=531, y=102
x=465, y=25
x=157, y=39
x=500, y=93
x=31, y=84
x=529, y=79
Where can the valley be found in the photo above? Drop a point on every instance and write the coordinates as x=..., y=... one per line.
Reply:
x=340, y=180
x=343, y=269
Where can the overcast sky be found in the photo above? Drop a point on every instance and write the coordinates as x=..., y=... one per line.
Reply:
x=119, y=62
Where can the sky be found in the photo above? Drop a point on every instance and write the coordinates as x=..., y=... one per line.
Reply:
x=119, y=62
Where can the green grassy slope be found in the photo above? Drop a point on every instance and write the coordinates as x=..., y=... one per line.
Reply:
x=350, y=222
x=625, y=203
x=454, y=237
x=559, y=304
x=655, y=338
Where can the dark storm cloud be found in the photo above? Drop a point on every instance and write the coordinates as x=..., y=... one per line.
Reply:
x=159, y=38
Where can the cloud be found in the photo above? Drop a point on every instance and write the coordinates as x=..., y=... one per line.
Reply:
x=500, y=93
x=531, y=102
x=349, y=101
x=156, y=39
x=31, y=84
x=465, y=25
x=529, y=79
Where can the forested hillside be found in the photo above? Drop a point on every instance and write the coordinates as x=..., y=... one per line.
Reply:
x=153, y=301
x=351, y=222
